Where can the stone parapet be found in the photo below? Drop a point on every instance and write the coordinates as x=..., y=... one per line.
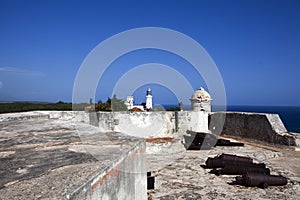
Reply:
x=46, y=156
x=23, y=116
x=162, y=124
x=258, y=126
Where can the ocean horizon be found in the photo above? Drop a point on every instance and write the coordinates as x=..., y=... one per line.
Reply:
x=290, y=115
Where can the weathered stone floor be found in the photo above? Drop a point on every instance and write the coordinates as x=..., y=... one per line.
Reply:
x=42, y=158
x=178, y=174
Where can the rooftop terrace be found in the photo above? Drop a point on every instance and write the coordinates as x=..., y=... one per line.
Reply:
x=43, y=158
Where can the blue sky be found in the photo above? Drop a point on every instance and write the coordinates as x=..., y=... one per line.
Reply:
x=255, y=45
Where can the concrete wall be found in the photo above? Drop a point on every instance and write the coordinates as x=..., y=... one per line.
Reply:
x=122, y=180
x=160, y=124
x=75, y=116
x=22, y=116
x=193, y=121
x=259, y=126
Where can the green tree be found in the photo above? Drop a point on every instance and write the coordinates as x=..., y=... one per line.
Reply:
x=113, y=104
x=118, y=104
x=102, y=107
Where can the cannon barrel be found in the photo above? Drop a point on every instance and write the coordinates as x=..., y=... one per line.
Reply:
x=223, y=142
x=263, y=180
x=235, y=158
x=219, y=163
x=240, y=170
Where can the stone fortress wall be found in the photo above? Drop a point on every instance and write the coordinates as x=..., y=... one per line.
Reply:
x=169, y=122
x=258, y=126
x=262, y=127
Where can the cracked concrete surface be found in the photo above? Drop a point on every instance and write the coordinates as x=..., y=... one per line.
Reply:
x=42, y=158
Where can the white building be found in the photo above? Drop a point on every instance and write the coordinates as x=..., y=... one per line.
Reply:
x=201, y=101
x=130, y=101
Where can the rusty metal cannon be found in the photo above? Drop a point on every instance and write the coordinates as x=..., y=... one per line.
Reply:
x=218, y=163
x=240, y=170
x=232, y=160
x=235, y=158
x=253, y=174
x=261, y=180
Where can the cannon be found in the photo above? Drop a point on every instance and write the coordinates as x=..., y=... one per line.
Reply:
x=239, y=170
x=235, y=158
x=223, y=159
x=219, y=163
x=223, y=142
x=261, y=180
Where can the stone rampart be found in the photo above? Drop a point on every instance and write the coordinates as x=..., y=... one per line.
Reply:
x=125, y=178
x=23, y=116
x=162, y=124
x=258, y=126
x=75, y=116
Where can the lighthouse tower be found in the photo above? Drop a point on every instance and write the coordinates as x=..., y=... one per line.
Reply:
x=149, y=99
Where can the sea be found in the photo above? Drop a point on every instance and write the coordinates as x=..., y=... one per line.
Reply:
x=290, y=115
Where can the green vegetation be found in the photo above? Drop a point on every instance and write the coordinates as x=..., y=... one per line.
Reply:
x=103, y=106
x=113, y=104
x=158, y=109
x=28, y=106
x=173, y=109
x=118, y=104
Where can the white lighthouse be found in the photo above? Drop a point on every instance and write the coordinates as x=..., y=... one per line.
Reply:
x=149, y=99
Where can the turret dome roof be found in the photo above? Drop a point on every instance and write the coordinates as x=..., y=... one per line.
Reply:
x=201, y=93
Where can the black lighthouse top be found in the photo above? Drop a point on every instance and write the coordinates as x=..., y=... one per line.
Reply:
x=149, y=91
